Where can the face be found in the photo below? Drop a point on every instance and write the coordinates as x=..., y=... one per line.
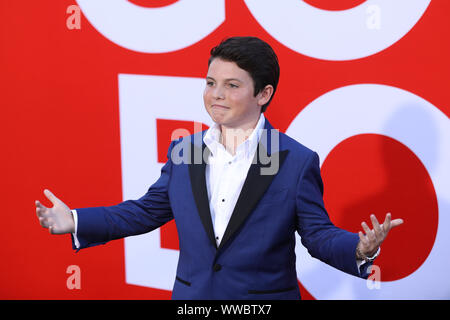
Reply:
x=229, y=96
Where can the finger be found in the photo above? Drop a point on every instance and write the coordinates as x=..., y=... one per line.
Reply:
x=51, y=196
x=40, y=212
x=44, y=213
x=387, y=223
x=52, y=229
x=43, y=222
x=376, y=225
x=363, y=238
x=369, y=233
x=39, y=205
x=365, y=227
x=396, y=223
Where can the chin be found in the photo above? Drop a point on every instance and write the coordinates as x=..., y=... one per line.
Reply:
x=219, y=119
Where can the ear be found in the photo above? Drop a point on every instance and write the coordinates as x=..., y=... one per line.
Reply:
x=264, y=95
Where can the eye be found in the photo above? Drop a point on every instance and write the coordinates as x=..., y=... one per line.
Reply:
x=209, y=83
x=232, y=85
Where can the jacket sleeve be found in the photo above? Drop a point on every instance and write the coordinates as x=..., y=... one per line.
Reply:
x=132, y=217
x=323, y=240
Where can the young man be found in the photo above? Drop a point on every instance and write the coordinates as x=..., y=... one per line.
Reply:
x=236, y=219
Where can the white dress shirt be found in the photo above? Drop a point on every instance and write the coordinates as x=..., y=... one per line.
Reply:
x=226, y=173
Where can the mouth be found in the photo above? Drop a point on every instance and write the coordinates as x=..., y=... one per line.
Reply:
x=219, y=106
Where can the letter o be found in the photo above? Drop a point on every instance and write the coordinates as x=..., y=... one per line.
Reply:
x=367, y=108
x=154, y=30
x=336, y=35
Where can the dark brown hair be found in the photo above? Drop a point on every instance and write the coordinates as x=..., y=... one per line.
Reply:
x=254, y=56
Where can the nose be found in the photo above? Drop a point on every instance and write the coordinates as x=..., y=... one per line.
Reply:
x=218, y=93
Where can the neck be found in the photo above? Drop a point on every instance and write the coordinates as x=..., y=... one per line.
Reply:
x=231, y=137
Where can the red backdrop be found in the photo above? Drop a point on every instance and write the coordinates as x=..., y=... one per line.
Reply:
x=60, y=130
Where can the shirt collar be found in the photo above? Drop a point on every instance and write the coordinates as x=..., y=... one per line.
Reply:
x=247, y=148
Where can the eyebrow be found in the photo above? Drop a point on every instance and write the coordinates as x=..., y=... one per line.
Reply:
x=229, y=79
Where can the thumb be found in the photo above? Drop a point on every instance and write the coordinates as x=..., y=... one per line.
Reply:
x=51, y=197
x=396, y=223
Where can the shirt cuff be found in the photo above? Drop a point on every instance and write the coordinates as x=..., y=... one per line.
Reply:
x=360, y=263
x=75, y=219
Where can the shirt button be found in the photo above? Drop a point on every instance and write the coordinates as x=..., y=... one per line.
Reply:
x=229, y=162
x=217, y=267
x=223, y=200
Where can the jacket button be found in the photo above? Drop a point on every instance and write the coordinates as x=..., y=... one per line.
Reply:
x=217, y=267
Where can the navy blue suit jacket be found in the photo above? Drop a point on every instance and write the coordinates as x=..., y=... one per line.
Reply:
x=256, y=257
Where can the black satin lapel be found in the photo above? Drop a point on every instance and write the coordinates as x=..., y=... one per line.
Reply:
x=252, y=191
x=198, y=184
